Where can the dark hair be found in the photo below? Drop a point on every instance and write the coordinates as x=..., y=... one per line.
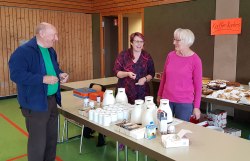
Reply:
x=132, y=36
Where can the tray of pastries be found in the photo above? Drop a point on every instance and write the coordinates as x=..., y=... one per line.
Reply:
x=217, y=84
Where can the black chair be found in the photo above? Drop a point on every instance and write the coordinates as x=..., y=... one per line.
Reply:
x=87, y=132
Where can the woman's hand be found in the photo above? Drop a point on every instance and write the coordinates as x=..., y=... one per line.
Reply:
x=141, y=81
x=158, y=100
x=131, y=75
x=197, y=113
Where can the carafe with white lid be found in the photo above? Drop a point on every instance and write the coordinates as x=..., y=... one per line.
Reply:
x=164, y=105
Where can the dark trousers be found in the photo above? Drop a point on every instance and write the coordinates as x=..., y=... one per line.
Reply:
x=42, y=129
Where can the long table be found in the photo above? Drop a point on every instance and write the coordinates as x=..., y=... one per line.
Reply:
x=211, y=101
x=236, y=106
x=205, y=144
x=107, y=82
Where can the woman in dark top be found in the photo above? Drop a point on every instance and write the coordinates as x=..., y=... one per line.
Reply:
x=134, y=68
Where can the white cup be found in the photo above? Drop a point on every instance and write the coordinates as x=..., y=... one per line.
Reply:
x=100, y=119
x=120, y=115
x=106, y=120
x=126, y=114
x=113, y=117
x=96, y=116
x=91, y=115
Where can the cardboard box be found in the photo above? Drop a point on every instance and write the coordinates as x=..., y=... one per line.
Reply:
x=83, y=92
x=137, y=133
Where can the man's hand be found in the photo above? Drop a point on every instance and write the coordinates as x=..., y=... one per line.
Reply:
x=63, y=77
x=50, y=79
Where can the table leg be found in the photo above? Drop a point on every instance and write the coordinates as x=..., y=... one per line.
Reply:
x=137, y=155
x=117, y=151
x=146, y=158
x=67, y=130
x=81, y=140
x=209, y=107
x=126, y=153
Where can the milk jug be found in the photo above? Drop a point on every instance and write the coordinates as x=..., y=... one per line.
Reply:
x=108, y=98
x=136, y=113
x=148, y=100
x=149, y=114
x=121, y=96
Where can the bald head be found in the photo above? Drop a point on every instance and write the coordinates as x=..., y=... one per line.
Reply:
x=46, y=34
x=43, y=26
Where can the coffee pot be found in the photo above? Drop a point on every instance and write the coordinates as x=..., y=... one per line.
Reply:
x=164, y=106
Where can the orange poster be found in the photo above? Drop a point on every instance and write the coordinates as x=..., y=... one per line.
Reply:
x=226, y=26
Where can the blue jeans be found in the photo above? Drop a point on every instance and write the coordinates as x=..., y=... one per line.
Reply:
x=182, y=111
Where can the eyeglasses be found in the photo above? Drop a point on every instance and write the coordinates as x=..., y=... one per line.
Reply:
x=138, y=42
x=177, y=40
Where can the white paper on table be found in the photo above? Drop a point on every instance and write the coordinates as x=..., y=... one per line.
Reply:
x=183, y=132
x=176, y=122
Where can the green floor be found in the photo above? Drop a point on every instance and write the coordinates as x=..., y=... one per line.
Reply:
x=13, y=142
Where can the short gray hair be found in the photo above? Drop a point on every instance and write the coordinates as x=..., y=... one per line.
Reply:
x=185, y=35
x=43, y=26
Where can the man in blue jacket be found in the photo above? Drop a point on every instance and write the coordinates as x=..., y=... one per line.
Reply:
x=35, y=70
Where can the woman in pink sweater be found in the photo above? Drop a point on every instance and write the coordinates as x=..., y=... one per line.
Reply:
x=181, y=82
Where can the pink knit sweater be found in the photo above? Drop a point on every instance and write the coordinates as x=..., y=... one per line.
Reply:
x=182, y=79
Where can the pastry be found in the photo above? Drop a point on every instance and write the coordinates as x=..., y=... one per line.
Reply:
x=235, y=84
x=206, y=91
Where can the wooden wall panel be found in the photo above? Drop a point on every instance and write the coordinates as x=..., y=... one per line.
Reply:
x=59, y=5
x=114, y=6
x=74, y=48
x=87, y=6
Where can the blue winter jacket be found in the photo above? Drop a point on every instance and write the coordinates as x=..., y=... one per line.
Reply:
x=27, y=69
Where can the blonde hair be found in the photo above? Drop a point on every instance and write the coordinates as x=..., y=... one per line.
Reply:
x=185, y=35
